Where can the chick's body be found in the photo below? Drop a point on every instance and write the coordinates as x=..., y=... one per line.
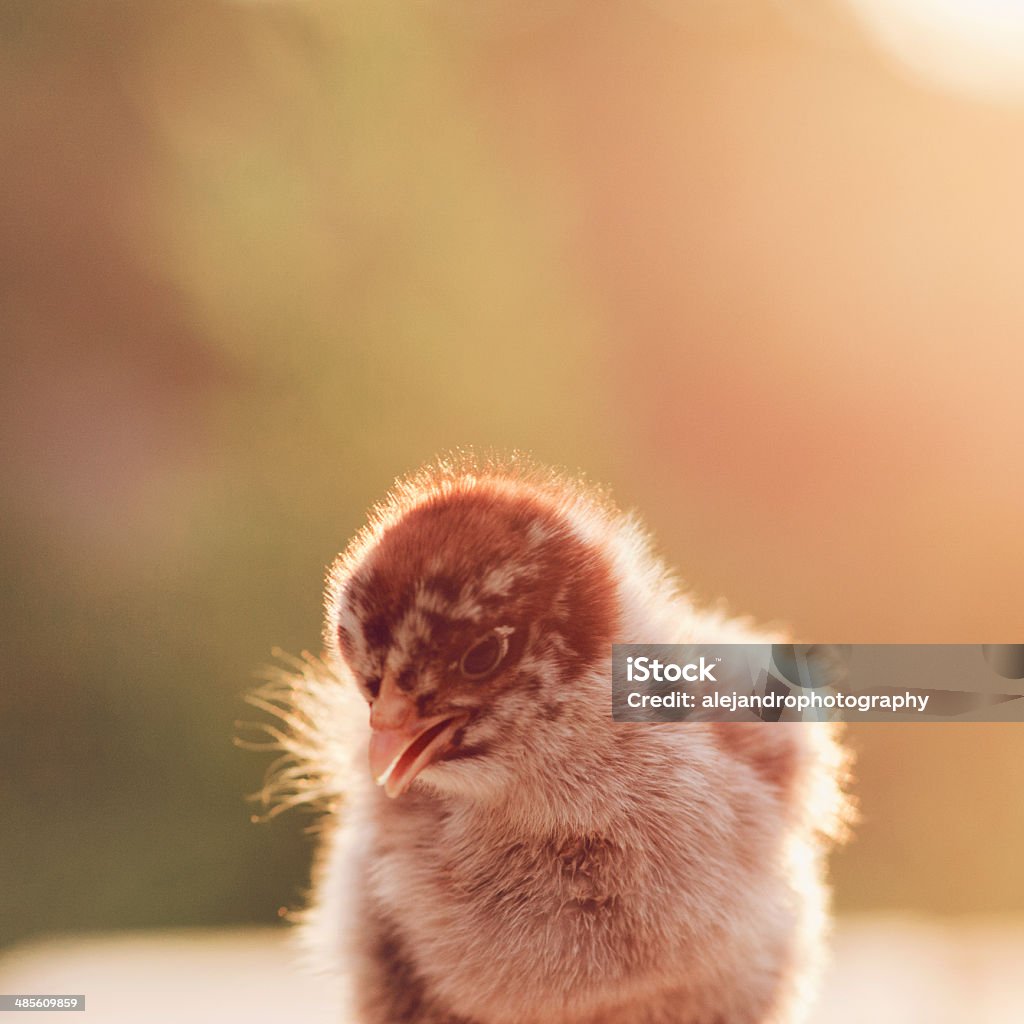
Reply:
x=526, y=860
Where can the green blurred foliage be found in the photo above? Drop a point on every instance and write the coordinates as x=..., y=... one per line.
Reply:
x=268, y=266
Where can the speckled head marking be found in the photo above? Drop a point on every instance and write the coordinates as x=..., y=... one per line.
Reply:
x=464, y=595
x=459, y=565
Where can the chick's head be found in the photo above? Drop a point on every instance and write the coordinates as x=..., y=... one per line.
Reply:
x=469, y=611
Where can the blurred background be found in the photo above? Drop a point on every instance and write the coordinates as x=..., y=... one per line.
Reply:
x=756, y=264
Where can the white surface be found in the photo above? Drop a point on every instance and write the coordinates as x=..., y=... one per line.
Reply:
x=885, y=971
x=177, y=977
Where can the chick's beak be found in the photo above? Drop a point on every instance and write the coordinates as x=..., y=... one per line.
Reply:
x=402, y=743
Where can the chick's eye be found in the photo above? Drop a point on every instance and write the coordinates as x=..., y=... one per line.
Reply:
x=484, y=656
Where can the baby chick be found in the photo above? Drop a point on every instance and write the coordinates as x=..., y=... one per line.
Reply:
x=523, y=859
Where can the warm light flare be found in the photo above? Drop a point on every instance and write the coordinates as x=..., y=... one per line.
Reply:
x=974, y=46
